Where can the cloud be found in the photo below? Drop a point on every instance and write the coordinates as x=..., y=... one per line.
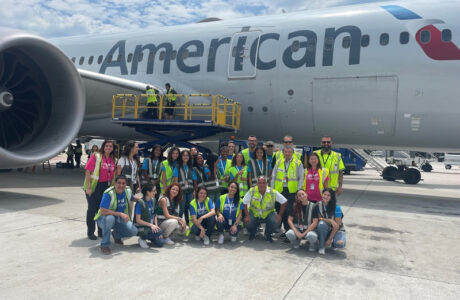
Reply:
x=55, y=18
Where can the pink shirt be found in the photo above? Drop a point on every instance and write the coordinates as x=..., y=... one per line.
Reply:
x=312, y=185
x=107, y=168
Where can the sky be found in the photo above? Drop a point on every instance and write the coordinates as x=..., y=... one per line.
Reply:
x=57, y=18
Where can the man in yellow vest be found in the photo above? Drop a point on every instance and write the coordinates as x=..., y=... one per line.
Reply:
x=332, y=161
x=152, y=103
x=288, y=141
x=248, y=153
x=114, y=214
x=287, y=179
x=259, y=207
x=170, y=101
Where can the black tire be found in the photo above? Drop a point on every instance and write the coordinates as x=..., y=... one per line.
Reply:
x=448, y=167
x=389, y=173
x=347, y=171
x=412, y=176
x=427, y=167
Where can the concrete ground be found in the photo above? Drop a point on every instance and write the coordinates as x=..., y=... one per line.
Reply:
x=402, y=243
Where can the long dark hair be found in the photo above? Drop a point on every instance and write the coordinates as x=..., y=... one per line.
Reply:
x=297, y=205
x=330, y=207
x=236, y=198
x=170, y=154
x=112, y=154
x=211, y=162
x=177, y=200
x=127, y=150
x=264, y=156
x=148, y=187
x=152, y=155
x=243, y=163
x=308, y=161
x=181, y=162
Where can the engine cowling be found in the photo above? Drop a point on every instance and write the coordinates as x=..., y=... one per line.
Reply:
x=42, y=100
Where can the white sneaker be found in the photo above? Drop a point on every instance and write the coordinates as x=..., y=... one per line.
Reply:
x=245, y=231
x=168, y=241
x=197, y=238
x=233, y=239
x=312, y=248
x=206, y=240
x=143, y=243
x=322, y=251
x=221, y=239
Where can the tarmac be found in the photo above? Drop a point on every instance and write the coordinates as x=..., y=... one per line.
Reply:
x=402, y=243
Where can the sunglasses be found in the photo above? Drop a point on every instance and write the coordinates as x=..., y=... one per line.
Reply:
x=326, y=142
x=287, y=142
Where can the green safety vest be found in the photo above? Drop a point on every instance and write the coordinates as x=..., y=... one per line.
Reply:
x=195, y=206
x=323, y=173
x=168, y=174
x=334, y=164
x=151, y=96
x=228, y=165
x=145, y=216
x=171, y=97
x=95, y=174
x=113, y=200
x=247, y=157
x=292, y=179
x=256, y=172
x=78, y=150
x=223, y=198
x=243, y=185
x=262, y=206
x=186, y=182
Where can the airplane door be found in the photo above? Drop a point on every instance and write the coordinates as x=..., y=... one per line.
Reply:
x=244, y=48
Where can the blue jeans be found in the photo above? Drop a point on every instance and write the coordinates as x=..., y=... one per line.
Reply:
x=208, y=225
x=120, y=228
x=154, y=237
x=185, y=205
x=339, y=240
x=224, y=226
x=270, y=224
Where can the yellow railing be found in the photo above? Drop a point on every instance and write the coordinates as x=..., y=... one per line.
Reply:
x=215, y=108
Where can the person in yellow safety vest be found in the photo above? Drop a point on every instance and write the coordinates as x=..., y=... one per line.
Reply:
x=239, y=173
x=167, y=168
x=288, y=141
x=113, y=214
x=229, y=210
x=170, y=101
x=332, y=161
x=287, y=179
x=223, y=169
x=248, y=153
x=259, y=207
x=202, y=215
x=316, y=179
x=99, y=175
x=152, y=103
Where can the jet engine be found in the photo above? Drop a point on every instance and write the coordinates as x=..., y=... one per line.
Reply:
x=42, y=100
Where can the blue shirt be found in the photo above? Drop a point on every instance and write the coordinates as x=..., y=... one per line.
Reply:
x=176, y=172
x=201, y=207
x=221, y=164
x=121, y=201
x=138, y=209
x=229, y=206
x=205, y=175
x=145, y=164
x=270, y=160
x=338, y=212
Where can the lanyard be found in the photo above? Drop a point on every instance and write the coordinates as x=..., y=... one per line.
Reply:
x=222, y=167
x=230, y=204
x=325, y=162
x=261, y=168
x=185, y=172
x=109, y=166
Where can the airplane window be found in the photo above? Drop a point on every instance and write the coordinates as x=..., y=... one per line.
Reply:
x=119, y=58
x=152, y=56
x=73, y=59
x=384, y=39
x=311, y=45
x=174, y=54
x=140, y=57
x=162, y=56
x=425, y=36
x=446, y=35
x=365, y=40
x=404, y=37
x=109, y=58
x=185, y=54
x=82, y=60
x=295, y=46
x=90, y=60
x=329, y=44
x=346, y=42
x=99, y=59
x=130, y=57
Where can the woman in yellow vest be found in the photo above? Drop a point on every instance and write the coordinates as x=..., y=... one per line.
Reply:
x=239, y=173
x=229, y=209
x=167, y=168
x=100, y=170
x=316, y=179
x=202, y=215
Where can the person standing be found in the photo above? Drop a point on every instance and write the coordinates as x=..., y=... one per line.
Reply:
x=212, y=184
x=167, y=168
x=223, y=168
x=202, y=215
x=259, y=166
x=316, y=179
x=70, y=153
x=184, y=175
x=152, y=102
x=201, y=170
x=167, y=210
x=193, y=154
x=269, y=150
x=287, y=179
x=239, y=173
x=259, y=207
x=99, y=173
x=248, y=153
x=231, y=149
x=78, y=150
x=114, y=214
x=128, y=165
x=170, y=101
x=229, y=210
x=151, y=167
x=288, y=141
x=332, y=161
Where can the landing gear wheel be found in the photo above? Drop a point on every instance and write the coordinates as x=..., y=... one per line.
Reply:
x=448, y=167
x=412, y=176
x=427, y=167
x=390, y=173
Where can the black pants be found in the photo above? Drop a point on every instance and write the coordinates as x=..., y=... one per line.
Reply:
x=288, y=211
x=77, y=160
x=94, y=202
x=208, y=225
x=152, y=111
x=70, y=160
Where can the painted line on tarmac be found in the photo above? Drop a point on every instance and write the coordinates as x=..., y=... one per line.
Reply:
x=298, y=278
x=43, y=224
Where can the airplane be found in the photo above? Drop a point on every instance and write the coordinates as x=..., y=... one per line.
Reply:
x=380, y=75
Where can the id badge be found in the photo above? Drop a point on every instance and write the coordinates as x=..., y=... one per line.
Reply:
x=285, y=180
x=241, y=185
x=312, y=186
x=155, y=176
x=230, y=222
x=301, y=227
x=186, y=184
x=217, y=183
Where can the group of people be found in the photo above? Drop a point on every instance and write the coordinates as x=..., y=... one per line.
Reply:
x=182, y=193
x=74, y=152
x=152, y=102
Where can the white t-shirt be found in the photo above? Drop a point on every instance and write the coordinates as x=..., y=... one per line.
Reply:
x=124, y=161
x=278, y=197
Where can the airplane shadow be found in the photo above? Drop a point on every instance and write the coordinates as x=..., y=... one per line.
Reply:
x=20, y=202
x=39, y=179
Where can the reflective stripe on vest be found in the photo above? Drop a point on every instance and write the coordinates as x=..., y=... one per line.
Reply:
x=332, y=164
x=182, y=179
x=95, y=174
x=151, y=96
x=292, y=179
x=223, y=198
x=256, y=172
x=200, y=178
x=195, y=206
x=323, y=173
x=145, y=216
x=260, y=206
x=243, y=184
x=171, y=97
x=113, y=201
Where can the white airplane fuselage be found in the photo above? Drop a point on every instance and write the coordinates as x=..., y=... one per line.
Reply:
x=305, y=74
